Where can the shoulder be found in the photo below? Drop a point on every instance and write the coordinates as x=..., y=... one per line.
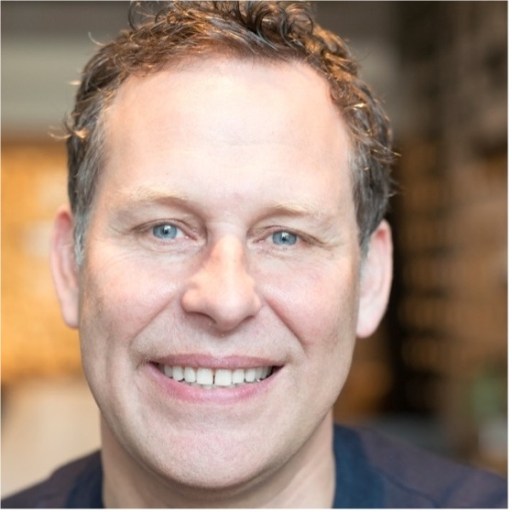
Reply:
x=74, y=485
x=376, y=471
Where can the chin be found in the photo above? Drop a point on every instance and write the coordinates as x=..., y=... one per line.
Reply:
x=209, y=476
x=224, y=462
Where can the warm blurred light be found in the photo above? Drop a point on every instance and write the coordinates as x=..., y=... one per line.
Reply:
x=35, y=340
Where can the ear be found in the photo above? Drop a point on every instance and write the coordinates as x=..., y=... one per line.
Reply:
x=64, y=267
x=376, y=277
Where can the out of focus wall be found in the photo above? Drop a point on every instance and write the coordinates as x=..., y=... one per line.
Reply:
x=450, y=305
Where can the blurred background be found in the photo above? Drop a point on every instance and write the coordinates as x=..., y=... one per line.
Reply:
x=435, y=373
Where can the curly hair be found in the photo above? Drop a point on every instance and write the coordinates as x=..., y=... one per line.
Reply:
x=262, y=30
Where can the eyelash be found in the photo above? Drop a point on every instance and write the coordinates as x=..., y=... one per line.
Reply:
x=147, y=232
x=165, y=225
x=287, y=234
x=271, y=234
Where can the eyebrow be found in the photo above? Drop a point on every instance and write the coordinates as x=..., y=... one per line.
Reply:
x=297, y=209
x=149, y=196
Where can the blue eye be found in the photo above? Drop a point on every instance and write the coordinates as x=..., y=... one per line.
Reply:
x=284, y=238
x=165, y=231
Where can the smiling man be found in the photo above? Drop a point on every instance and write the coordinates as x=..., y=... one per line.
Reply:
x=223, y=248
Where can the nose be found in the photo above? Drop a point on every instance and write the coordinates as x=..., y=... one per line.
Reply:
x=223, y=289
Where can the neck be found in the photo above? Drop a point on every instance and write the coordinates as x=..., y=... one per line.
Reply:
x=307, y=480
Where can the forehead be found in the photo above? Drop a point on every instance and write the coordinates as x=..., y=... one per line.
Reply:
x=237, y=120
x=219, y=95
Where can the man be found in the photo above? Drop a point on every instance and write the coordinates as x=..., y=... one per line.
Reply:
x=223, y=247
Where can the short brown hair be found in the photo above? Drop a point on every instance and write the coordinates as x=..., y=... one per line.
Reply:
x=260, y=30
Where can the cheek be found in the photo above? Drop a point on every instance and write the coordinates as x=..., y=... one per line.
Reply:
x=317, y=304
x=123, y=298
x=320, y=310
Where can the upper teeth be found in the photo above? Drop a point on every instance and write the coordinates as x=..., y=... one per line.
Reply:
x=216, y=377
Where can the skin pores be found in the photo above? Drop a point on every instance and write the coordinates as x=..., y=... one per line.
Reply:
x=222, y=237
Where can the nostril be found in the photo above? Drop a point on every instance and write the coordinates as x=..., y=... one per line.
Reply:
x=228, y=298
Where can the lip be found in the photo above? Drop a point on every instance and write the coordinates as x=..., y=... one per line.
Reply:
x=174, y=390
x=214, y=362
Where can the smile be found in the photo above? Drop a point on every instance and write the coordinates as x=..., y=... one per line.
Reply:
x=212, y=378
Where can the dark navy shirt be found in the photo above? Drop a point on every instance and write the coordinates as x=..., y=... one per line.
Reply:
x=372, y=471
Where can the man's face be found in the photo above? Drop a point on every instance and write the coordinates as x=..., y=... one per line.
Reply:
x=222, y=248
